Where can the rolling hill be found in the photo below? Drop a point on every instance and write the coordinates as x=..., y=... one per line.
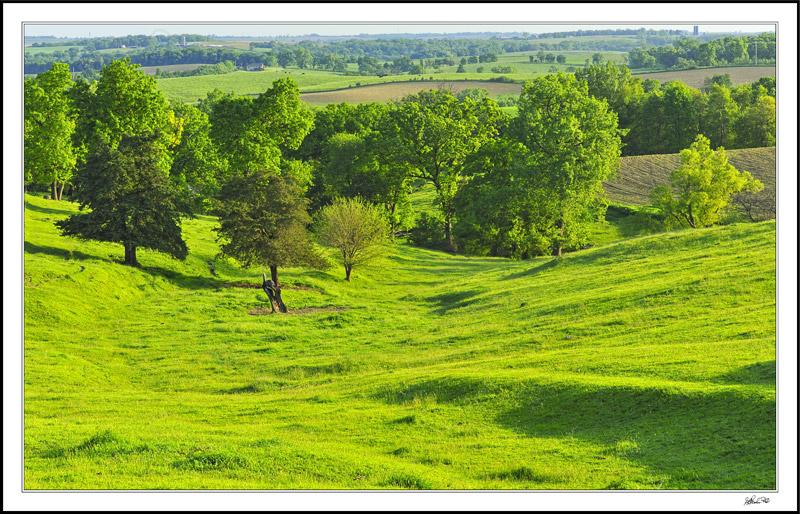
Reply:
x=648, y=363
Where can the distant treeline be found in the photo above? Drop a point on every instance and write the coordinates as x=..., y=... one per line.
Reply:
x=686, y=52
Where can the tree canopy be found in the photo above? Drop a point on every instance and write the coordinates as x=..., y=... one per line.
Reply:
x=703, y=187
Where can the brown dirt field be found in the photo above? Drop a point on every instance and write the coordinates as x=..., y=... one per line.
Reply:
x=396, y=91
x=694, y=78
x=307, y=310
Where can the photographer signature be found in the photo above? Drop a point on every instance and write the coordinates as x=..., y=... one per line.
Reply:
x=753, y=500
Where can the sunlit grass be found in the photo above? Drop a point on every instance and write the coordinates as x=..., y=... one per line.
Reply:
x=643, y=363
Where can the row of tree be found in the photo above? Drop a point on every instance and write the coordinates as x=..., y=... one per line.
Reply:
x=665, y=118
x=267, y=166
x=688, y=52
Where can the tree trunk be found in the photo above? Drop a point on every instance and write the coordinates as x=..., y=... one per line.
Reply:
x=61, y=191
x=53, y=191
x=448, y=232
x=273, y=271
x=130, y=255
x=347, y=270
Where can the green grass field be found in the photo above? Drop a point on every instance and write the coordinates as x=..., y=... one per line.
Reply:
x=645, y=363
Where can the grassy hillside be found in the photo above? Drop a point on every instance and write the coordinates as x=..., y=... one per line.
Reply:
x=638, y=175
x=647, y=363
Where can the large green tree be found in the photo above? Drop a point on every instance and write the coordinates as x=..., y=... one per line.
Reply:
x=252, y=134
x=49, y=125
x=431, y=133
x=702, y=187
x=505, y=209
x=125, y=102
x=575, y=140
x=130, y=199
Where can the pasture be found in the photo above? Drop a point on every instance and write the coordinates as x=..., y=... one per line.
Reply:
x=695, y=78
x=639, y=174
x=646, y=363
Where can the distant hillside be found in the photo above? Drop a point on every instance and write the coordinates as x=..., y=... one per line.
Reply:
x=639, y=174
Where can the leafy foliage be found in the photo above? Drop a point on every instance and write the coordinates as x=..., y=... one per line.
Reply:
x=355, y=228
x=263, y=219
x=132, y=200
x=50, y=156
x=704, y=185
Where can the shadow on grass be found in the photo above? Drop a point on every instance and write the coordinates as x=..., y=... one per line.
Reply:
x=454, y=300
x=49, y=210
x=758, y=373
x=58, y=252
x=718, y=439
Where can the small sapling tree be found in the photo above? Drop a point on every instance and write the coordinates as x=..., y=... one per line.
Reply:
x=355, y=228
x=702, y=187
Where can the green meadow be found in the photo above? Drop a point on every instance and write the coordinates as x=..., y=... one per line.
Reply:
x=644, y=362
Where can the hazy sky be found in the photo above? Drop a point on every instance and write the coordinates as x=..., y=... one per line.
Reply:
x=282, y=29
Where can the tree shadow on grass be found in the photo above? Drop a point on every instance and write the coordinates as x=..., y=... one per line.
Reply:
x=718, y=439
x=48, y=210
x=57, y=252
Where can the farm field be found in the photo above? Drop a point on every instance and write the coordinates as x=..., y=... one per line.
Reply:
x=646, y=363
x=396, y=91
x=695, y=78
x=638, y=175
x=151, y=70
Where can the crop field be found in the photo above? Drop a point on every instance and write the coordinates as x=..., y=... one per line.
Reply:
x=638, y=175
x=396, y=91
x=695, y=78
x=645, y=363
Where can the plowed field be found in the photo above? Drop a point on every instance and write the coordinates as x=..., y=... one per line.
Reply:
x=396, y=91
x=641, y=173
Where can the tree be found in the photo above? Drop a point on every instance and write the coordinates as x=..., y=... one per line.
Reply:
x=704, y=185
x=504, y=209
x=561, y=59
x=719, y=115
x=198, y=166
x=49, y=126
x=252, y=133
x=263, y=220
x=575, y=140
x=132, y=200
x=756, y=126
x=355, y=228
x=431, y=134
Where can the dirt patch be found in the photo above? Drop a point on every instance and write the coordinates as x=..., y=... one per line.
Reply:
x=258, y=311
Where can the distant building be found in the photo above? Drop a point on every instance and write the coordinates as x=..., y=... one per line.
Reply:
x=696, y=31
x=255, y=67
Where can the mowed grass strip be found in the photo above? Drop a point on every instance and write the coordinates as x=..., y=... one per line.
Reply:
x=643, y=364
x=639, y=174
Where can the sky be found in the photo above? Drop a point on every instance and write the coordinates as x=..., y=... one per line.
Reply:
x=284, y=29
